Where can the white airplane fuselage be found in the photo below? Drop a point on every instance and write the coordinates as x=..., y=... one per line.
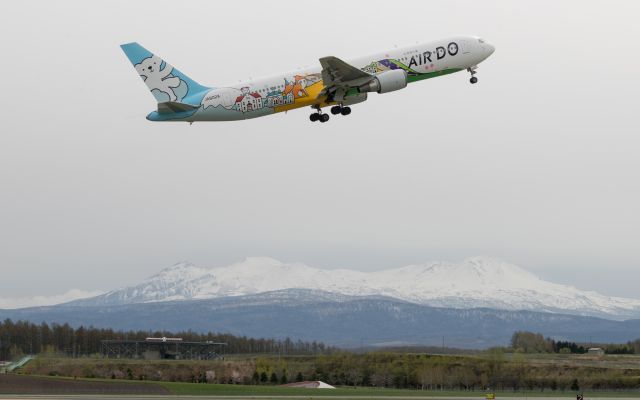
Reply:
x=304, y=87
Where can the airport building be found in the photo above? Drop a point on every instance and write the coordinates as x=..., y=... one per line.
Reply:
x=162, y=349
x=595, y=351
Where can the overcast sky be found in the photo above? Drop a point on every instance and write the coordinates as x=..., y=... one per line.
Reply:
x=537, y=164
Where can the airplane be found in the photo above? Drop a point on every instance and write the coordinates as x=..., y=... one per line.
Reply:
x=336, y=83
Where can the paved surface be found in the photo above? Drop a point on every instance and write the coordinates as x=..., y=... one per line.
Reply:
x=311, y=397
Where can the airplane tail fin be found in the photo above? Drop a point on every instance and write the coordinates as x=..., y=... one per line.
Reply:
x=166, y=83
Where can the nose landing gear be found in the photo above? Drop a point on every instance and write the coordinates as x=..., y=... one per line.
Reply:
x=473, y=71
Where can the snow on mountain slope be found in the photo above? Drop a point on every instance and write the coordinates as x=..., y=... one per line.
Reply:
x=472, y=283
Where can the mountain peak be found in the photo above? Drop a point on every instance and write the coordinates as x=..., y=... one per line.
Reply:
x=179, y=266
x=496, y=268
x=261, y=261
x=473, y=272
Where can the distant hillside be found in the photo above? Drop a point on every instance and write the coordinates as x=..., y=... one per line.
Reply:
x=336, y=320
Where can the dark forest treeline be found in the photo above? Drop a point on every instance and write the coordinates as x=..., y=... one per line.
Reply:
x=22, y=337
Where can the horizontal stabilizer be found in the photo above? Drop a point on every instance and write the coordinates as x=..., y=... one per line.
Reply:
x=169, y=107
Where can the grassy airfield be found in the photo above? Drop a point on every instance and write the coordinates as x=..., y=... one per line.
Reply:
x=46, y=385
x=191, y=389
x=173, y=377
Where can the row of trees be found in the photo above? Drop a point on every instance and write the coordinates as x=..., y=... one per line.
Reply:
x=22, y=337
x=492, y=369
x=529, y=342
x=429, y=372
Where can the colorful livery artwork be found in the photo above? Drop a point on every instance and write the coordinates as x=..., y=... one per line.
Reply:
x=335, y=83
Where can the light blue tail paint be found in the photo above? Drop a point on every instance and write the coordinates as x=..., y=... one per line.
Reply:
x=165, y=82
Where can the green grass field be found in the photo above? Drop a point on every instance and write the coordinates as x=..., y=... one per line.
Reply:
x=195, y=389
x=244, y=391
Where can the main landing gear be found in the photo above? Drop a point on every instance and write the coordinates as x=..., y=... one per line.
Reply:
x=335, y=110
x=319, y=116
x=473, y=71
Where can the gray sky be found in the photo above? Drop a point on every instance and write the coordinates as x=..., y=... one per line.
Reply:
x=538, y=164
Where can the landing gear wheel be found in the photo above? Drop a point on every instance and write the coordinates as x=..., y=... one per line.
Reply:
x=345, y=111
x=314, y=117
x=335, y=110
x=472, y=71
x=324, y=117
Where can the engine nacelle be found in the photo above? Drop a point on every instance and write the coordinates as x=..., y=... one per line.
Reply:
x=386, y=82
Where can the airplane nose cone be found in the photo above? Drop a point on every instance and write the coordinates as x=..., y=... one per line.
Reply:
x=489, y=48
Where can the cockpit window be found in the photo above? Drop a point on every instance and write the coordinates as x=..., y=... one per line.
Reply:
x=480, y=40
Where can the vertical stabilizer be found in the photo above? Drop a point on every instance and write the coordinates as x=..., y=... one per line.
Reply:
x=166, y=83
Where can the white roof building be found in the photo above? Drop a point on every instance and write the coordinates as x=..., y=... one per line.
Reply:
x=310, y=385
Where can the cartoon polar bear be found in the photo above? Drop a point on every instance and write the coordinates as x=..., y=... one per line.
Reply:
x=158, y=79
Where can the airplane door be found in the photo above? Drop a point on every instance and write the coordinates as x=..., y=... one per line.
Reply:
x=464, y=51
x=464, y=46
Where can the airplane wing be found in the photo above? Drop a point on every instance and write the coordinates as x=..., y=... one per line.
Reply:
x=339, y=76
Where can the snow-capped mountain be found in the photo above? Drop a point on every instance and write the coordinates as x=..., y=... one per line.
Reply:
x=473, y=283
x=339, y=320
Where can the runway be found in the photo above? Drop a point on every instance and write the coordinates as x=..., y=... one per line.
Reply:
x=310, y=397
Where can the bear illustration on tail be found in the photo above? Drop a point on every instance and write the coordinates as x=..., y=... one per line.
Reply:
x=157, y=75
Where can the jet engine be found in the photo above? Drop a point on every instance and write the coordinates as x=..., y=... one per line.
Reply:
x=386, y=82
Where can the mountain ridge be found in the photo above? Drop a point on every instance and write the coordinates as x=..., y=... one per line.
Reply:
x=475, y=282
x=344, y=321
